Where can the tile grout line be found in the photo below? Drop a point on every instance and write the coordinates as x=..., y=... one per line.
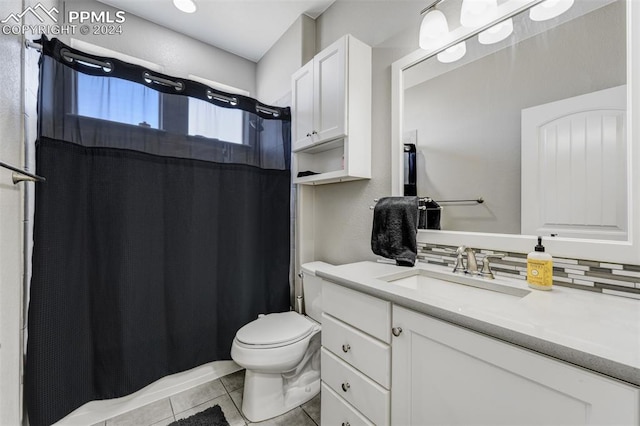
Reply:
x=308, y=415
x=172, y=410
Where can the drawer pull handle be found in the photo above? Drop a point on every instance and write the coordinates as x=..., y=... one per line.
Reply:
x=346, y=348
x=346, y=386
x=396, y=331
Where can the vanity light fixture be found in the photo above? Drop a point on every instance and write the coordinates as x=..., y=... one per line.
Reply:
x=186, y=6
x=549, y=9
x=475, y=13
x=453, y=53
x=496, y=33
x=433, y=28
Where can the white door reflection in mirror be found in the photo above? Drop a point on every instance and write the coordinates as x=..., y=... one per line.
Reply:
x=574, y=167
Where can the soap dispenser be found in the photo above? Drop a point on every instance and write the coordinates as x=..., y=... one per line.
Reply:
x=540, y=268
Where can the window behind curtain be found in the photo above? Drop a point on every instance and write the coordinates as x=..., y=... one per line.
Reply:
x=126, y=102
x=130, y=103
x=214, y=122
x=217, y=123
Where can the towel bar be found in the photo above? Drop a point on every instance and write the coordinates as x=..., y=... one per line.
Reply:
x=478, y=200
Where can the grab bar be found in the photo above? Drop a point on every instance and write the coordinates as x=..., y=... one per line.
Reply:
x=22, y=176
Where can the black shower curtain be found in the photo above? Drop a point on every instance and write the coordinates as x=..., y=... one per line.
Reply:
x=151, y=247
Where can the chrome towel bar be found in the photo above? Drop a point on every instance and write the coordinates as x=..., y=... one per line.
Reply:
x=478, y=200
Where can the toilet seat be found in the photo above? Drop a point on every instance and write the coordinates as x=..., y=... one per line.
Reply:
x=275, y=330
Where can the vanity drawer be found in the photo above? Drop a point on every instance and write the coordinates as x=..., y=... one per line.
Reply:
x=369, y=355
x=364, y=394
x=367, y=313
x=336, y=411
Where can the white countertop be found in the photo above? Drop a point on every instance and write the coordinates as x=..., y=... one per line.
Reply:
x=593, y=330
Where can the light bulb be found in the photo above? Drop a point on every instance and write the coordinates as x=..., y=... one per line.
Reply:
x=186, y=6
x=475, y=13
x=549, y=9
x=453, y=53
x=433, y=28
x=496, y=33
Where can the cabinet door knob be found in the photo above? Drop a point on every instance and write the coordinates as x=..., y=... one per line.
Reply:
x=346, y=386
x=346, y=424
x=308, y=135
x=314, y=133
x=396, y=331
x=345, y=348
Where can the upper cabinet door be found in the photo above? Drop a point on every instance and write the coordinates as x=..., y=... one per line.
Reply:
x=330, y=74
x=302, y=96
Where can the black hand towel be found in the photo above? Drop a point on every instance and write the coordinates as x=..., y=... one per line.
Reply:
x=395, y=227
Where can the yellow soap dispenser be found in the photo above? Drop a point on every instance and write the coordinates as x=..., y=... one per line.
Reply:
x=540, y=268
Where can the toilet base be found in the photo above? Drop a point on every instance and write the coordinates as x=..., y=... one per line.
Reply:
x=264, y=396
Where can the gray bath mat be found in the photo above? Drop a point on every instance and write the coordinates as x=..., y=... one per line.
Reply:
x=212, y=416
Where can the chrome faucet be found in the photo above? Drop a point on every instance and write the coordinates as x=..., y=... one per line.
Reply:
x=471, y=265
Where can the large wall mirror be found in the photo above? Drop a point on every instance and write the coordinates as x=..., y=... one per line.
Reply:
x=539, y=125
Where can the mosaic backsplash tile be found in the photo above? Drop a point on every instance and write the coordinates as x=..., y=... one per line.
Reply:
x=589, y=275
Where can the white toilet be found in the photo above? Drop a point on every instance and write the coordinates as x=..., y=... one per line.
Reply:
x=281, y=354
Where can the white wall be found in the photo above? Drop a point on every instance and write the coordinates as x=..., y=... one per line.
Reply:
x=342, y=219
x=18, y=100
x=11, y=152
x=180, y=55
x=295, y=48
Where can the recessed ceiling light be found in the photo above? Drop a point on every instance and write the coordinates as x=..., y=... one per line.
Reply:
x=187, y=6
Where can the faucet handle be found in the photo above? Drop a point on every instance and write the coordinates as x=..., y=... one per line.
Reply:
x=486, y=264
x=459, y=252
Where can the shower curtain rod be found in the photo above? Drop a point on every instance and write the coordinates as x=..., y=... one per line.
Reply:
x=32, y=45
x=178, y=85
x=21, y=175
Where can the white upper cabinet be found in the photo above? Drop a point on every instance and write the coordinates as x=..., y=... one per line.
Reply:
x=320, y=97
x=331, y=114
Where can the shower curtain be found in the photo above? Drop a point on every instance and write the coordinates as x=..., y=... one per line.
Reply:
x=152, y=246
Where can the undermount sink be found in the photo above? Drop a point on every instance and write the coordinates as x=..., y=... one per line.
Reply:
x=423, y=279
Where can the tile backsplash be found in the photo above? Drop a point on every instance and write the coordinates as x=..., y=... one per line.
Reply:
x=589, y=275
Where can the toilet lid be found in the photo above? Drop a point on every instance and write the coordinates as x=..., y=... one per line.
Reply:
x=273, y=329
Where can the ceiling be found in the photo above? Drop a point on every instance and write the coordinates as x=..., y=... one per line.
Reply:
x=247, y=28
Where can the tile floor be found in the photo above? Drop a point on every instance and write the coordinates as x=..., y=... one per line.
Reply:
x=225, y=392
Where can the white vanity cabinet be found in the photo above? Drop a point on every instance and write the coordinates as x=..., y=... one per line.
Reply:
x=331, y=114
x=444, y=374
x=355, y=358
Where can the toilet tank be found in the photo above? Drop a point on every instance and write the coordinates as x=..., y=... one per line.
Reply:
x=312, y=289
